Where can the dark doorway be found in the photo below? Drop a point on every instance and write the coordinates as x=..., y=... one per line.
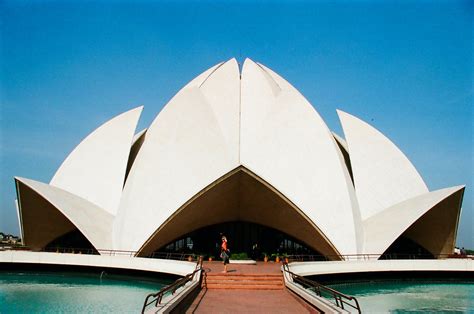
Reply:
x=241, y=236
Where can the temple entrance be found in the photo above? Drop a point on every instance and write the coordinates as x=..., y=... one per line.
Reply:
x=242, y=237
x=247, y=210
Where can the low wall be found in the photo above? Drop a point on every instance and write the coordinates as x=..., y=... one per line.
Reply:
x=180, y=268
x=339, y=267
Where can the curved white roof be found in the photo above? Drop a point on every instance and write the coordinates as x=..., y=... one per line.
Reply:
x=121, y=190
x=285, y=142
x=383, y=175
x=382, y=229
x=94, y=222
x=192, y=142
x=95, y=169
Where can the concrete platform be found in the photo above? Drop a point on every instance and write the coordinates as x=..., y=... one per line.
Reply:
x=180, y=268
x=373, y=266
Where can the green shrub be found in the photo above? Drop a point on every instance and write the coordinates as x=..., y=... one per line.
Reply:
x=239, y=256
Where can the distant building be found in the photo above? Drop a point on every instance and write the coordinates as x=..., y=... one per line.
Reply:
x=245, y=154
x=9, y=239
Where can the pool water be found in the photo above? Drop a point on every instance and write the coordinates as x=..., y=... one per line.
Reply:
x=73, y=293
x=411, y=297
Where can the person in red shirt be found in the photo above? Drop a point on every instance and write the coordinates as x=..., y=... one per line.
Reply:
x=225, y=253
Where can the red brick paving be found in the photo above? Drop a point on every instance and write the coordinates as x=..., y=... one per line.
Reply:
x=247, y=301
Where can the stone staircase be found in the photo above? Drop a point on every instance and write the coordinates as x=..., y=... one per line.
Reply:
x=243, y=281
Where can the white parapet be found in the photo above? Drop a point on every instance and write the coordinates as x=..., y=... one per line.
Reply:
x=325, y=268
x=180, y=268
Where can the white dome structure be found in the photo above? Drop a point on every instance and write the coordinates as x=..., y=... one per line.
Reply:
x=231, y=147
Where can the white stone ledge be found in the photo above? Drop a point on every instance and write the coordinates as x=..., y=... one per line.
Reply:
x=323, y=268
x=180, y=268
x=242, y=261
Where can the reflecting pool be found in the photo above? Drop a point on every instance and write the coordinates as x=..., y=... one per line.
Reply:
x=66, y=293
x=411, y=296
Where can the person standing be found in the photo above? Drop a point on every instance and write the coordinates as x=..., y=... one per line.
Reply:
x=255, y=251
x=224, y=253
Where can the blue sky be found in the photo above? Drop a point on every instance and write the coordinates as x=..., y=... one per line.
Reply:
x=404, y=66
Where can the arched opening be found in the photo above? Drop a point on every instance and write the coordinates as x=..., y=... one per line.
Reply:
x=242, y=237
x=40, y=220
x=405, y=248
x=240, y=196
x=436, y=230
x=45, y=227
x=73, y=241
x=433, y=235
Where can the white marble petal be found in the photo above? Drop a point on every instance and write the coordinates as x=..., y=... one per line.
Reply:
x=286, y=143
x=95, y=169
x=382, y=229
x=94, y=222
x=383, y=175
x=192, y=142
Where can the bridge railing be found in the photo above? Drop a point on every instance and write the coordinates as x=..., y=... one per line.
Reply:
x=340, y=299
x=156, y=298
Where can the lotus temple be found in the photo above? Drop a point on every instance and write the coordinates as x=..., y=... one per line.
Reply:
x=240, y=152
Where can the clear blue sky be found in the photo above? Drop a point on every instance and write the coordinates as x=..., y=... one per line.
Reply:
x=404, y=66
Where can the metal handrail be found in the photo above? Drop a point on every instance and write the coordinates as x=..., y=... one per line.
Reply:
x=158, y=296
x=187, y=256
x=341, y=299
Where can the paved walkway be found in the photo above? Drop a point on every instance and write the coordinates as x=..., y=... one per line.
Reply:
x=247, y=301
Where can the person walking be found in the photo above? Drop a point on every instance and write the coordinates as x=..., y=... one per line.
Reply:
x=225, y=252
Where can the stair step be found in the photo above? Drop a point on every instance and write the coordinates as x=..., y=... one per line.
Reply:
x=244, y=275
x=245, y=282
x=245, y=287
x=248, y=281
x=243, y=278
